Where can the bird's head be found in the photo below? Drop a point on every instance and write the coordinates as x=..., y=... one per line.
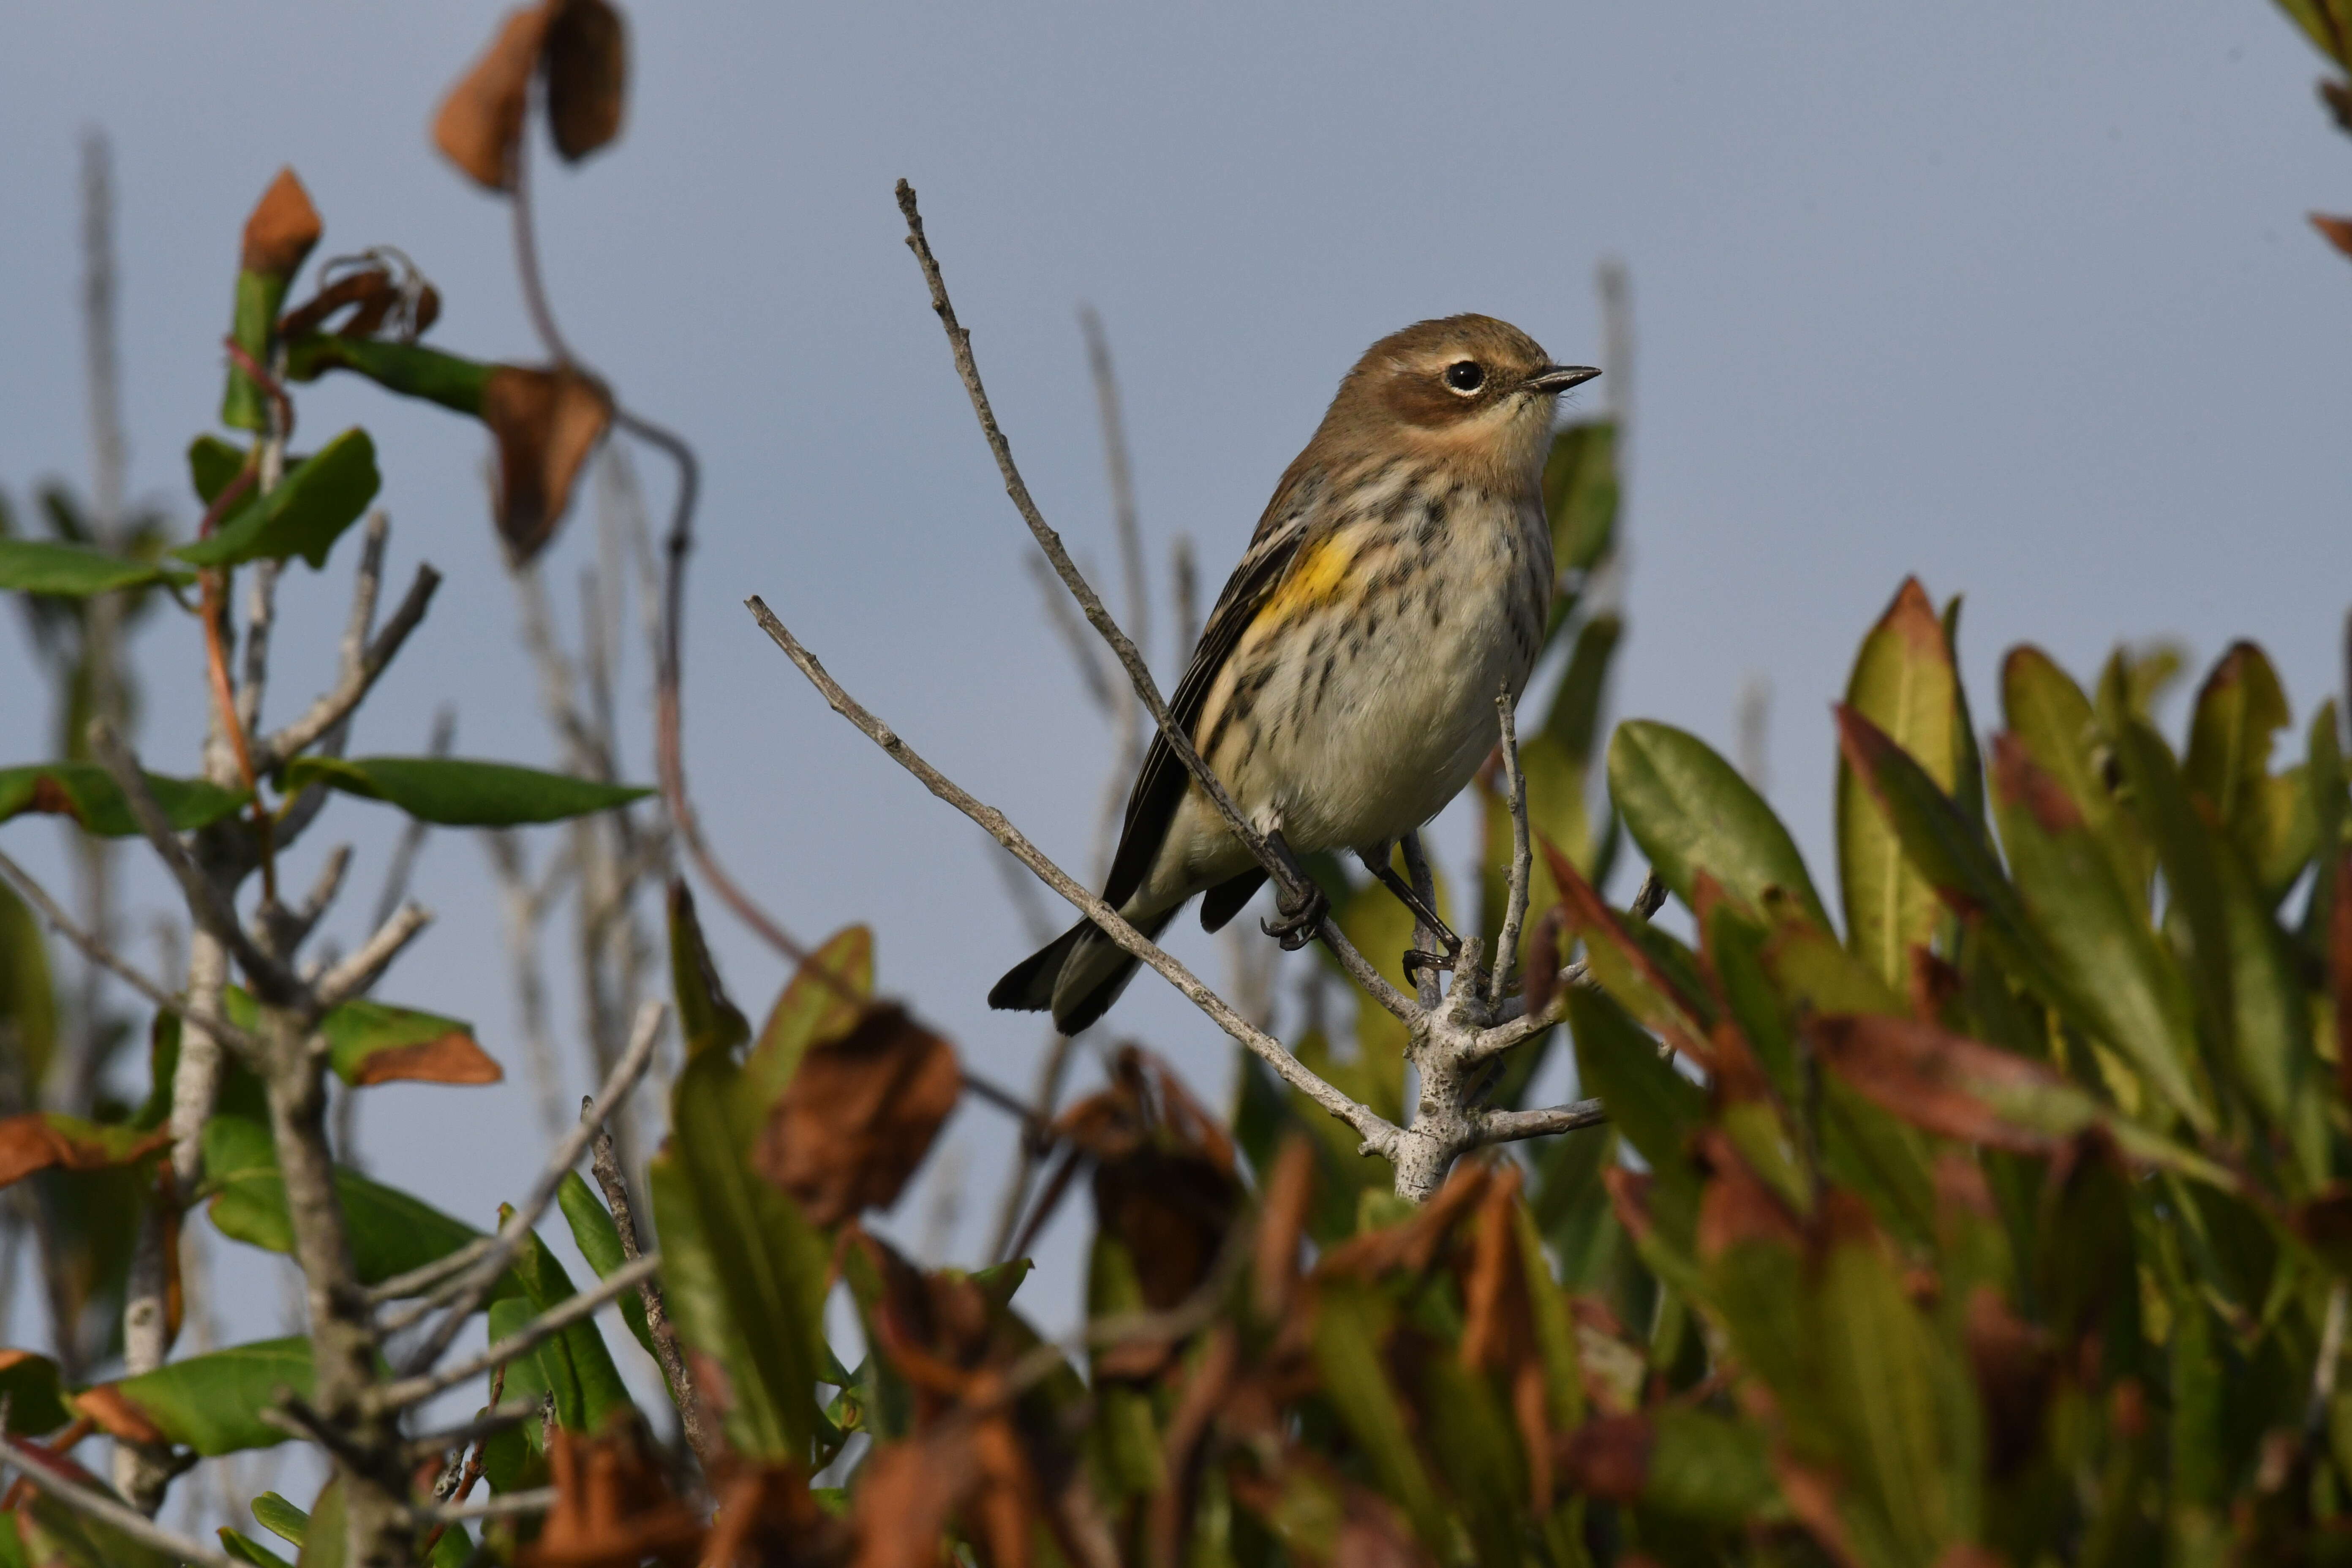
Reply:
x=1468, y=388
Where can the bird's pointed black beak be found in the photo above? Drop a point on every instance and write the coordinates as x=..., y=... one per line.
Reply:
x=1559, y=377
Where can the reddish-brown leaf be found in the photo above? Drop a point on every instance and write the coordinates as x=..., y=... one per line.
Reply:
x=859, y=1115
x=481, y=119
x=613, y=1508
x=1736, y=1207
x=767, y=1517
x=454, y=1058
x=117, y=1416
x=1372, y=1534
x=1289, y=1188
x=587, y=55
x=1934, y=1078
x=1542, y=978
x=2336, y=231
x=1588, y=915
x=2015, y=1368
x=546, y=423
x=1414, y=1244
x=2017, y=780
x=1607, y=1456
x=282, y=229
x=905, y=1493
x=40, y=1139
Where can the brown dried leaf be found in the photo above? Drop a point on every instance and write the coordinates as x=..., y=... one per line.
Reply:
x=2015, y=1369
x=906, y=1493
x=454, y=1058
x=587, y=55
x=1413, y=1244
x=1542, y=979
x=613, y=1508
x=1165, y=1183
x=859, y=1115
x=1608, y=1457
x=766, y=1516
x=481, y=119
x=546, y=423
x=2336, y=231
x=1736, y=1205
x=282, y=229
x=38, y=1140
x=369, y=293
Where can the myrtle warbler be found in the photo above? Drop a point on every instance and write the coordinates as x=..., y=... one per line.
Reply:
x=1344, y=686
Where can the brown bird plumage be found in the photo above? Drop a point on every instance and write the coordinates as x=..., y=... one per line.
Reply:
x=1344, y=686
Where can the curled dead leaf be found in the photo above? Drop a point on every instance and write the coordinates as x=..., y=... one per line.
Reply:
x=859, y=1115
x=481, y=119
x=1164, y=1185
x=587, y=58
x=1289, y=1190
x=766, y=1515
x=2336, y=231
x=282, y=229
x=546, y=423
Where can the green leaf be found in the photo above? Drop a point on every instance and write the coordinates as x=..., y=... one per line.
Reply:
x=28, y=998
x=44, y=1140
x=1706, y=1467
x=454, y=792
x=2092, y=935
x=1579, y=491
x=370, y=1042
x=2054, y=721
x=281, y=1517
x=244, y=1549
x=2240, y=711
x=822, y=1002
x=410, y=369
x=320, y=497
x=574, y=1364
x=210, y=1402
x=599, y=1240
x=213, y=465
x=34, y=1392
x=70, y=571
x=326, y=1539
x=391, y=1231
x=1652, y=1107
x=745, y=1272
x=57, y=1536
x=1347, y=1332
x=84, y=792
x=1690, y=811
x=1905, y=683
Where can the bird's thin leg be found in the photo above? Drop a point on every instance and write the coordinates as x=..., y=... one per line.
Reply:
x=1377, y=863
x=1295, y=919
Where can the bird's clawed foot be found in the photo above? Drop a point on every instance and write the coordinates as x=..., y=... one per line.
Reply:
x=1296, y=917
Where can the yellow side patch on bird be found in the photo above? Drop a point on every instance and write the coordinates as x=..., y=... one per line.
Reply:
x=1316, y=580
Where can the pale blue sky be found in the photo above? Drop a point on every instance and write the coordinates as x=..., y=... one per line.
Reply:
x=2016, y=296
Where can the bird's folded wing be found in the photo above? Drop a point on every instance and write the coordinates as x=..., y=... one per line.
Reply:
x=1160, y=787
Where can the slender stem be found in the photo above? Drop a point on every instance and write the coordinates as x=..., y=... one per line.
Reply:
x=1514, y=907
x=1507, y=1126
x=572, y=1310
x=1378, y=1132
x=692, y=1419
x=490, y=1261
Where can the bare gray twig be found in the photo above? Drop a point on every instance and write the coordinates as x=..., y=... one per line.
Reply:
x=692, y=1419
x=415, y=1390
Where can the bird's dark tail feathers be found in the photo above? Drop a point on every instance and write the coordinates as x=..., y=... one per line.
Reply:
x=1076, y=976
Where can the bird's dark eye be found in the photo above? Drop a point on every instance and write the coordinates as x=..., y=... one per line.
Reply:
x=1465, y=375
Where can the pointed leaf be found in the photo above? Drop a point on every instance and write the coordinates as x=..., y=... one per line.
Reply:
x=28, y=998
x=455, y=791
x=391, y=1231
x=45, y=1139
x=711, y=1023
x=84, y=792
x=1905, y=683
x=2095, y=937
x=71, y=571
x=370, y=1042
x=34, y=1392
x=1690, y=811
x=599, y=1240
